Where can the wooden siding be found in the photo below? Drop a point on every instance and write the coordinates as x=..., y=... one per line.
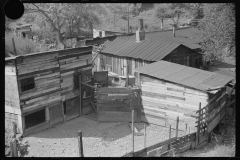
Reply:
x=118, y=64
x=45, y=71
x=181, y=54
x=116, y=105
x=53, y=74
x=164, y=101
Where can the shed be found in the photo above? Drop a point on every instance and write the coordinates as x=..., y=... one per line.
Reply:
x=44, y=89
x=125, y=53
x=170, y=90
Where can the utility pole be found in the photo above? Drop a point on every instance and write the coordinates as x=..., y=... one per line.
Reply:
x=128, y=18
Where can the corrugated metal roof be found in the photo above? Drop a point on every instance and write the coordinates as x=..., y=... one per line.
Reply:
x=146, y=50
x=183, y=36
x=184, y=75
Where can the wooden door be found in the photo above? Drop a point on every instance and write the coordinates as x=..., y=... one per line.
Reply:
x=72, y=108
x=87, y=94
x=56, y=114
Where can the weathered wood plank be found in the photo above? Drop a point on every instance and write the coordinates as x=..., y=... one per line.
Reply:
x=73, y=65
x=168, y=93
x=175, y=108
x=56, y=74
x=77, y=69
x=67, y=73
x=173, y=87
x=37, y=70
x=75, y=60
x=123, y=101
x=37, y=67
x=37, y=64
x=44, y=82
x=42, y=97
x=114, y=105
x=36, y=58
x=121, y=109
x=41, y=103
x=31, y=94
x=167, y=102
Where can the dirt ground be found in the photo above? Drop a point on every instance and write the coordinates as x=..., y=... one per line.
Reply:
x=104, y=139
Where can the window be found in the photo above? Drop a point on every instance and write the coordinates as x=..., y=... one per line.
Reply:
x=27, y=84
x=35, y=118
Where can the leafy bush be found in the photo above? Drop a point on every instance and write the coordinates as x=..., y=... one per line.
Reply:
x=23, y=45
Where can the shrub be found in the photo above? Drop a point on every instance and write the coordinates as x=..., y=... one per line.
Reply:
x=23, y=45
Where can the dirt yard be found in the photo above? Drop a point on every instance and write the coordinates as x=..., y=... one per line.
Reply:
x=104, y=139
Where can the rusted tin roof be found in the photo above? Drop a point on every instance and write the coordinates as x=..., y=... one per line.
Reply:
x=184, y=75
x=146, y=50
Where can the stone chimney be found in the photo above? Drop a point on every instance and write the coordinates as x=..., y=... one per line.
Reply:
x=140, y=33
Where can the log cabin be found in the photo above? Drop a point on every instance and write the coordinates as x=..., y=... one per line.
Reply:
x=44, y=89
x=136, y=50
x=170, y=90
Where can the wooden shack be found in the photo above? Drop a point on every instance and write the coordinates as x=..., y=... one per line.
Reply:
x=133, y=51
x=116, y=104
x=44, y=89
x=171, y=90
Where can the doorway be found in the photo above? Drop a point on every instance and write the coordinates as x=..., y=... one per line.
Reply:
x=55, y=112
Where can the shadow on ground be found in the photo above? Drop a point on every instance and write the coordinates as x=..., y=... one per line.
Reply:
x=108, y=131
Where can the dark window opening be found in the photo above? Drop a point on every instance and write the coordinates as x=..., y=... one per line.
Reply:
x=24, y=35
x=27, y=84
x=197, y=62
x=76, y=81
x=35, y=118
x=64, y=107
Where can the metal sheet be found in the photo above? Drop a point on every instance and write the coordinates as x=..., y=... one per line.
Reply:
x=184, y=75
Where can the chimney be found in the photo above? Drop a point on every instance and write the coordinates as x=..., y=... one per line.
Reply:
x=140, y=33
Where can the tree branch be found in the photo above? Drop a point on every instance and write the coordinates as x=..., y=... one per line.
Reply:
x=48, y=18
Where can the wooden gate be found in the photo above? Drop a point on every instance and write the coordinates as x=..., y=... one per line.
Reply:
x=116, y=105
x=72, y=108
x=56, y=115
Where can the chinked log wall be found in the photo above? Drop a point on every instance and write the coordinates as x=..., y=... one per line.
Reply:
x=163, y=102
x=53, y=74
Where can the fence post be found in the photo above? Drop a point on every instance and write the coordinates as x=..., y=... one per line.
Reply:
x=80, y=144
x=170, y=132
x=13, y=148
x=186, y=129
x=198, y=127
x=133, y=131
x=14, y=129
x=177, y=126
x=145, y=135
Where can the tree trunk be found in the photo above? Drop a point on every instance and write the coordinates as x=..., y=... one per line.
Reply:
x=162, y=24
x=59, y=40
